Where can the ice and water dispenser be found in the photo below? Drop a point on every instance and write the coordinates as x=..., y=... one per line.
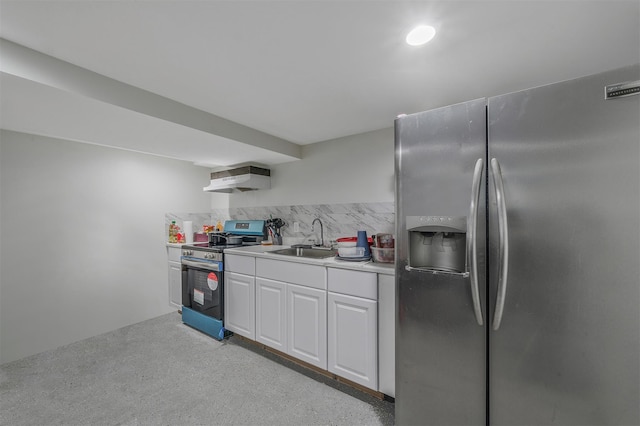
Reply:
x=437, y=243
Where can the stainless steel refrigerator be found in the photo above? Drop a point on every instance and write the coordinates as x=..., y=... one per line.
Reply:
x=518, y=253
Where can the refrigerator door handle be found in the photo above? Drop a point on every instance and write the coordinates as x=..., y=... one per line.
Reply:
x=472, y=237
x=503, y=254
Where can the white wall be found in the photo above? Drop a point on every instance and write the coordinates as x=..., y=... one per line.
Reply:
x=93, y=217
x=82, y=248
x=353, y=169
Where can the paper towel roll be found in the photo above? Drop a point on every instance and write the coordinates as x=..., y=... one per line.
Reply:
x=188, y=231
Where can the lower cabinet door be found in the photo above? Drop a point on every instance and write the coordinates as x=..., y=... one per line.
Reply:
x=175, y=284
x=352, y=339
x=307, y=324
x=387, y=334
x=271, y=318
x=239, y=304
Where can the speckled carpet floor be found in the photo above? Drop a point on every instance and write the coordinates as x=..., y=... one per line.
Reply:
x=161, y=372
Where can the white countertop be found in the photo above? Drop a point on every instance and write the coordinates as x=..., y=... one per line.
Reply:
x=263, y=251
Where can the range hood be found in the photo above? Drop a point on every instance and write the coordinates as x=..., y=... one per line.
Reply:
x=245, y=178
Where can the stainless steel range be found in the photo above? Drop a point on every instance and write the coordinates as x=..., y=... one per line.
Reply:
x=203, y=275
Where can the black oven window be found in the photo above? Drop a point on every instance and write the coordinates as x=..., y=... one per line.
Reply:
x=205, y=292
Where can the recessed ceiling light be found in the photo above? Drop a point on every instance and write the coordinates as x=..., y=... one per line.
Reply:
x=420, y=35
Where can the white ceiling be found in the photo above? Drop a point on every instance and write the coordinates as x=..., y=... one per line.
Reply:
x=302, y=71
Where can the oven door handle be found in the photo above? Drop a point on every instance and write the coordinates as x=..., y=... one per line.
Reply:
x=211, y=266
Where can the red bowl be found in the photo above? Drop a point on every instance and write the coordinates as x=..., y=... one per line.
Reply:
x=352, y=240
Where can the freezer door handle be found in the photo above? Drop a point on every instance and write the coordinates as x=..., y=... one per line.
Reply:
x=472, y=237
x=503, y=253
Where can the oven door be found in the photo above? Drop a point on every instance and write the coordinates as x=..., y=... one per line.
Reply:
x=202, y=286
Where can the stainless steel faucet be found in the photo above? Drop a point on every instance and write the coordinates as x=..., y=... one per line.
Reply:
x=321, y=230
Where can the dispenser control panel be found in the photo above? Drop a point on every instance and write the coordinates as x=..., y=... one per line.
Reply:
x=437, y=223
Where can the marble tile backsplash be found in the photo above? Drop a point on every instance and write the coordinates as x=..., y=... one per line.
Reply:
x=338, y=220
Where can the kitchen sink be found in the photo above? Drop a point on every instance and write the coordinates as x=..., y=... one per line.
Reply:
x=313, y=253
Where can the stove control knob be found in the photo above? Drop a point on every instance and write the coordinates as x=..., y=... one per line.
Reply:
x=186, y=253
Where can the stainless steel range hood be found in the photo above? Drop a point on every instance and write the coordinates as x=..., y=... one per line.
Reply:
x=245, y=178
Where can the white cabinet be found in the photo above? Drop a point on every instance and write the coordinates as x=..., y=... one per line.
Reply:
x=175, y=284
x=387, y=334
x=292, y=272
x=271, y=313
x=239, y=302
x=241, y=264
x=304, y=309
x=175, y=276
x=337, y=319
x=240, y=295
x=307, y=324
x=352, y=342
x=353, y=326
